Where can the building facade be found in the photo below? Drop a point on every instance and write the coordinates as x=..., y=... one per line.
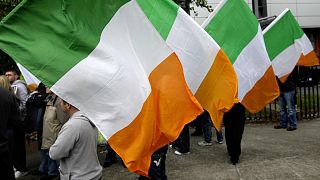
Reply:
x=307, y=13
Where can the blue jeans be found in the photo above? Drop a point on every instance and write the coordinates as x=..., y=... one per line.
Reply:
x=47, y=164
x=287, y=109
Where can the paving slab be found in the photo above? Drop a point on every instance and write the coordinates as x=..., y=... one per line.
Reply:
x=267, y=153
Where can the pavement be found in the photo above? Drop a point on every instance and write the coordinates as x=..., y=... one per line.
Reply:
x=267, y=153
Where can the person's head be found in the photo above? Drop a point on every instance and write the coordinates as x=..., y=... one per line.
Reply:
x=48, y=90
x=4, y=82
x=12, y=75
x=68, y=108
x=41, y=88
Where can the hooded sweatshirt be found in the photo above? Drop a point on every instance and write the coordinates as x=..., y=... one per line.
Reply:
x=20, y=89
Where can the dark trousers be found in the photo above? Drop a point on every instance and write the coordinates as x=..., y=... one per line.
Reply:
x=17, y=148
x=198, y=124
x=157, y=170
x=234, y=121
x=207, y=126
x=219, y=135
x=111, y=156
x=6, y=167
x=183, y=141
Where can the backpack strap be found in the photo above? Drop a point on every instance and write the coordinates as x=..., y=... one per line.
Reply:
x=91, y=123
x=55, y=99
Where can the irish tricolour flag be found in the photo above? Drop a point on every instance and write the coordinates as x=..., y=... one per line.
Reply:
x=28, y=77
x=234, y=27
x=287, y=45
x=107, y=59
x=207, y=70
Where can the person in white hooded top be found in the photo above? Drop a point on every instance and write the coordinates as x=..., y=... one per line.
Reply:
x=19, y=88
x=76, y=147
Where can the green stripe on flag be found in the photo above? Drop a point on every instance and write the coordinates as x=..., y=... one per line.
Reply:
x=72, y=28
x=161, y=15
x=282, y=35
x=230, y=24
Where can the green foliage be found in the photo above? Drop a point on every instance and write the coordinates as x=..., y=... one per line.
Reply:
x=188, y=5
x=6, y=63
x=6, y=7
x=203, y=4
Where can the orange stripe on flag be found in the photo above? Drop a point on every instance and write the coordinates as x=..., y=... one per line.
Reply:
x=310, y=59
x=217, y=87
x=284, y=78
x=264, y=91
x=167, y=109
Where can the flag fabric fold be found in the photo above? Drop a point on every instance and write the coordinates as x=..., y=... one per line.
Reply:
x=207, y=70
x=109, y=61
x=234, y=27
x=28, y=77
x=287, y=45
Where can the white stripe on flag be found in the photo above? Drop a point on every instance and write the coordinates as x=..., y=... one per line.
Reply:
x=251, y=64
x=305, y=44
x=194, y=47
x=129, y=49
x=285, y=62
x=28, y=77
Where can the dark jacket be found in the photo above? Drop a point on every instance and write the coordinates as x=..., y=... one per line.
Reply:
x=9, y=117
x=35, y=108
x=288, y=85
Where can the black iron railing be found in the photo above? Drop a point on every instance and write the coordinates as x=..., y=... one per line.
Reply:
x=307, y=97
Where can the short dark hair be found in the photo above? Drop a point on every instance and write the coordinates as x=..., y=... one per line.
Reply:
x=14, y=71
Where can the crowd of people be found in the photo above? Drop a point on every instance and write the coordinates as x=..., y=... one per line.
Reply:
x=67, y=139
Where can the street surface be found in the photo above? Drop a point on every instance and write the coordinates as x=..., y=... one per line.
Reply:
x=267, y=153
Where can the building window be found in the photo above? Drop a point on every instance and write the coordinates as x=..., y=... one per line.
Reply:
x=260, y=8
x=262, y=4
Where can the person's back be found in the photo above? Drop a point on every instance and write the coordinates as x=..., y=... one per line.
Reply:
x=19, y=153
x=53, y=119
x=76, y=148
x=17, y=145
x=21, y=91
x=9, y=116
x=288, y=85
